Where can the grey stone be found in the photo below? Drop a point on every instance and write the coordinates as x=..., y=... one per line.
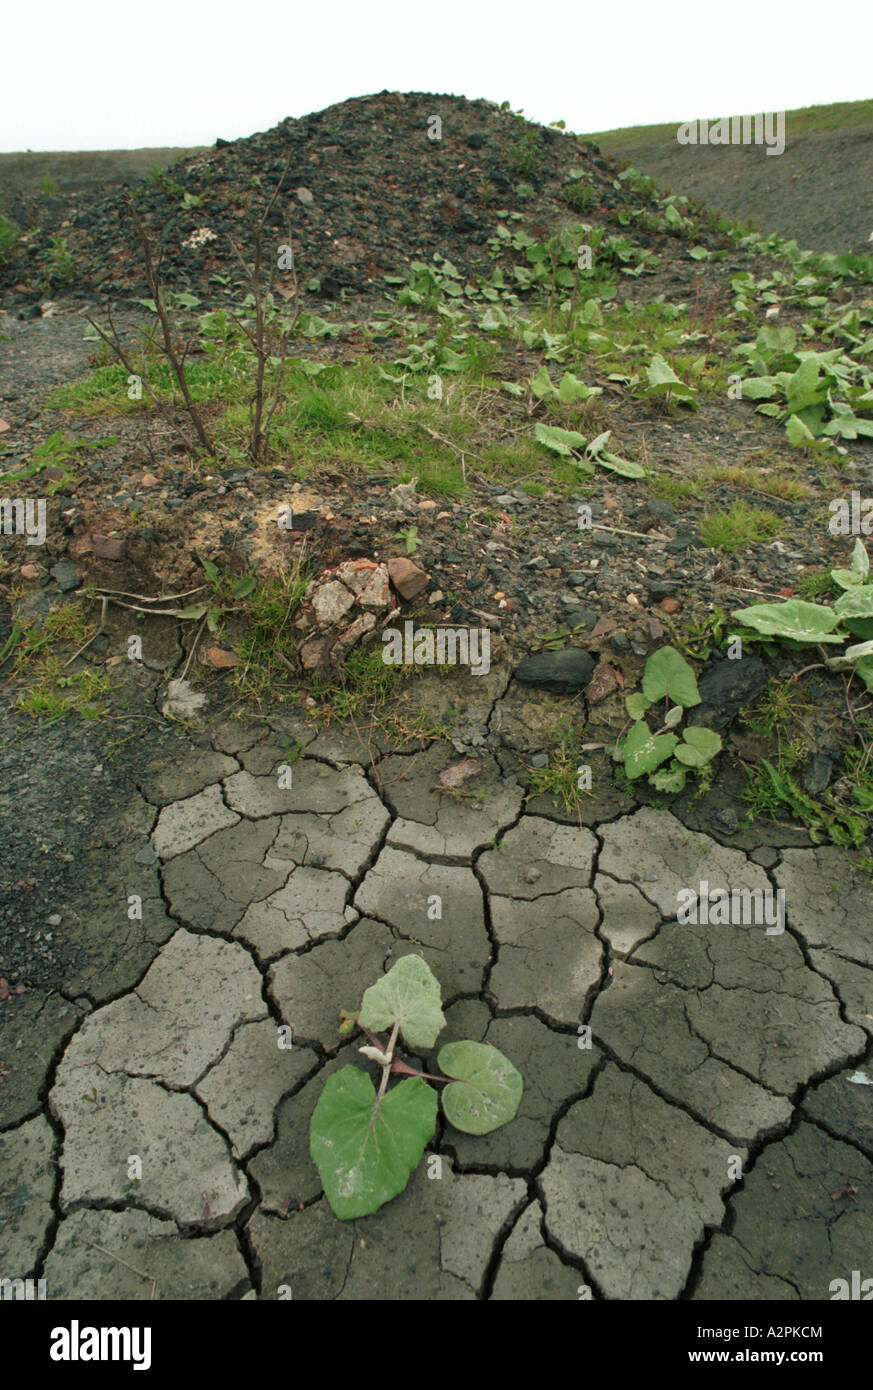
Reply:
x=174, y=779
x=311, y=988
x=187, y=1170
x=310, y=905
x=439, y=825
x=790, y=1225
x=528, y=1269
x=559, y=672
x=725, y=689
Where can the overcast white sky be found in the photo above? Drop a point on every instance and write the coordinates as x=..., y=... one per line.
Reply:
x=114, y=74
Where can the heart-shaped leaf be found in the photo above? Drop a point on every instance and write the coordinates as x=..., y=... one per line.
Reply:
x=699, y=746
x=364, y=1149
x=408, y=994
x=667, y=673
x=486, y=1091
x=636, y=704
x=643, y=751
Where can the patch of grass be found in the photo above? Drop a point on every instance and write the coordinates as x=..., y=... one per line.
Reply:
x=739, y=527
x=51, y=690
x=58, y=262
x=8, y=240
x=581, y=196
x=269, y=643
x=559, y=779
x=674, y=489
x=788, y=488
x=772, y=715
x=699, y=637
x=814, y=585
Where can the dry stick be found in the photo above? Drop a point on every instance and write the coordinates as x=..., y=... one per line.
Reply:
x=141, y=1274
x=104, y=606
x=178, y=368
x=193, y=647
x=158, y=598
x=115, y=343
x=257, y=338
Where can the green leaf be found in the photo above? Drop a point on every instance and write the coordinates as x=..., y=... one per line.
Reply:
x=572, y=389
x=560, y=441
x=542, y=384
x=859, y=571
x=663, y=380
x=643, y=751
x=636, y=704
x=408, y=994
x=194, y=610
x=486, y=1092
x=667, y=673
x=699, y=746
x=619, y=465
x=797, y=432
x=669, y=779
x=856, y=602
x=243, y=587
x=212, y=572
x=864, y=669
x=364, y=1149
x=759, y=388
x=800, y=621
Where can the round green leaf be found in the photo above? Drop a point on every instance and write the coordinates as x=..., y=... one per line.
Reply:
x=408, y=994
x=668, y=673
x=365, y=1150
x=636, y=704
x=487, y=1088
x=704, y=740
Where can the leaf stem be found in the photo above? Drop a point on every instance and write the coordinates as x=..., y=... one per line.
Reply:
x=389, y=1053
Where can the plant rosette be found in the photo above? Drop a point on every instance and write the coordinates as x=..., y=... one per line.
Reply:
x=669, y=689
x=367, y=1143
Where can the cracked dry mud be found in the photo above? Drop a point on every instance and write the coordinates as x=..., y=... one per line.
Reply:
x=708, y=1137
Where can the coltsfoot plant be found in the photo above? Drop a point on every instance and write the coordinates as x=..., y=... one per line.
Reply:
x=665, y=756
x=367, y=1143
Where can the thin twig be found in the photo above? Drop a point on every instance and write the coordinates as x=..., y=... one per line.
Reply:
x=104, y=606
x=193, y=646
